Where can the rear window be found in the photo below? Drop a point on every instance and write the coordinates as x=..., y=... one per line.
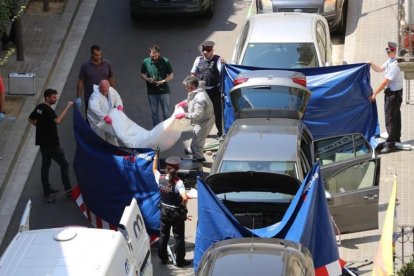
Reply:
x=288, y=168
x=273, y=97
x=280, y=55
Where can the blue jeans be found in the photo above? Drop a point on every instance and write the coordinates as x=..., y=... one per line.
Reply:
x=164, y=101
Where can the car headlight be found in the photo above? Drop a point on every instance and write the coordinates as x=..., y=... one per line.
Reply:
x=329, y=6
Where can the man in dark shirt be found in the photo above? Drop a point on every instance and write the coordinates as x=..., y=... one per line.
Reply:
x=45, y=119
x=157, y=71
x=92, y=72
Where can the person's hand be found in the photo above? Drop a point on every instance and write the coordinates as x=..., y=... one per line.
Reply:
x=223, y=61
x=180, y=115
x=70, y=103
x=182, y=104
x=78, y=102
x=150, y=80
x=108, y=120
x=372, y=97
x=120, y=108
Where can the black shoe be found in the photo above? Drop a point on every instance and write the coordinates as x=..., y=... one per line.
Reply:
x=200, y=160
x=183, y=263
x=164, y=262
x=51, y=192
x=188, y=151
x=387, y=149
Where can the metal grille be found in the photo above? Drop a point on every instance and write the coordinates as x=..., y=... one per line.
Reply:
x=305, y=10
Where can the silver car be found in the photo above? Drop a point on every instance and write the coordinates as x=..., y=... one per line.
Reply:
x=333, y=10
x=268, y=151
x=256, y=256
x=284, y=40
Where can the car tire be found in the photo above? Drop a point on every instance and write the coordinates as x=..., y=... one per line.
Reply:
x=210, y=11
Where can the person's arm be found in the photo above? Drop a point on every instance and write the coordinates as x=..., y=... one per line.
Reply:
x=146, y=78
x=376, y=68
x=62, y=115
x=79, y=88
x=155, y=164
x=381, y=87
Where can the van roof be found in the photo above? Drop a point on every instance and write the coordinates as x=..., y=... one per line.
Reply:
x=64, y=251
x=278, y=27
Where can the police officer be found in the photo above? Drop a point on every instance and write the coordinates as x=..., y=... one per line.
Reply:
x=393, y=84
x=207, y=68
x=173, y=210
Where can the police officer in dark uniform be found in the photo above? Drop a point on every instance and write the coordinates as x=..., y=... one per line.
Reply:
x=173, y=210
x=207, y=68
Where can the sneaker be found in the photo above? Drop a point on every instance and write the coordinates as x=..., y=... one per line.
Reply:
x=187, y=151
x=183, y=263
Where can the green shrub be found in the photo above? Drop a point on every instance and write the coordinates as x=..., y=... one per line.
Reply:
x=407, y=269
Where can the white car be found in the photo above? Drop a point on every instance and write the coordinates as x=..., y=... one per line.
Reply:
x=284, y=40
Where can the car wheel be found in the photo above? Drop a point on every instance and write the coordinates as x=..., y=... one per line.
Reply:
x=210, y=11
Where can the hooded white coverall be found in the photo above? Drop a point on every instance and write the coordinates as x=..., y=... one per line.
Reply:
x=99, y=107
x=201, y=114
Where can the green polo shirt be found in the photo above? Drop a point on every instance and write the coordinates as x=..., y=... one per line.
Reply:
x=158, y=71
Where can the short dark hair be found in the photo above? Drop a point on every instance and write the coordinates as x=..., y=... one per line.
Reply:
x=95, y=48
x=155, y=48
x=49, y=92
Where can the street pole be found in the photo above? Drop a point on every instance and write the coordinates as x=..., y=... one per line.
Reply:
x=18, y=35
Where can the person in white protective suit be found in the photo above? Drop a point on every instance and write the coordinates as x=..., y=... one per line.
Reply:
x=103, y=99
x=201, y=114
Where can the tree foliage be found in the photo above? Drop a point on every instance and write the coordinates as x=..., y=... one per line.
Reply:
x=407, y=269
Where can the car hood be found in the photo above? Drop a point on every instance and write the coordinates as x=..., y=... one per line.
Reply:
x=252, y=181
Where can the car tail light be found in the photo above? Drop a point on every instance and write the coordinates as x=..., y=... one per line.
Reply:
x=300, y=81
x=240, y=80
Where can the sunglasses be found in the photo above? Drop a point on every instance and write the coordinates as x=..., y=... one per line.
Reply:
x=207, y=49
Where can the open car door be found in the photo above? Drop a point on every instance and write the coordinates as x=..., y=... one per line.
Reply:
x=351, y=172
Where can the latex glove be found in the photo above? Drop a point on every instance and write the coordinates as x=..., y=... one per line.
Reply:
x=182, y=104
x=78, y=102
x=108, y=119
x=180, y=115
x=2, y=116
x=120, y=108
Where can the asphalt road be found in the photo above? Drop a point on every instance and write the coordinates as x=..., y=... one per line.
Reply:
x=125, y=43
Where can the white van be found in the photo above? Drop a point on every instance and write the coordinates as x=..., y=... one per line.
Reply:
x=76, y=251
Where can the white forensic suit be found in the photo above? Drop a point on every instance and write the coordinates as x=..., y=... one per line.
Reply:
x=201, y=114
x=99, y=107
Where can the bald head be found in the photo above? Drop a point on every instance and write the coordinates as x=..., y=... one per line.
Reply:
x=104, y=87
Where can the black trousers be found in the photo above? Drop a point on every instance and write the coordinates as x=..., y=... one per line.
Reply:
x=57, y=154
x=175, y=219
x=215, y=96
x=392, y=105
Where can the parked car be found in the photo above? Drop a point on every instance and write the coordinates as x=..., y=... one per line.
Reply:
x=284, y=40
x=333, y=10
x=268, y=151
x=256, y=256
x=140, y=8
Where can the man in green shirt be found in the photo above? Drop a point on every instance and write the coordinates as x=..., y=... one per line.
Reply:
x=157, y=72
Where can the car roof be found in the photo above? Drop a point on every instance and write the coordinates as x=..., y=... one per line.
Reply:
x=268, y=134
x=278, y=27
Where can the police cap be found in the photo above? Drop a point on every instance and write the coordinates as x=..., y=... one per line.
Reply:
x=207, y=43
x=173, y=161
x=392, y=46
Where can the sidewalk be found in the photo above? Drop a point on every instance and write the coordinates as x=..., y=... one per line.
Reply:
x=45, y=37
x=377, y=23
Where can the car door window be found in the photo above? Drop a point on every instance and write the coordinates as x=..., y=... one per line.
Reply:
x=341, y=148
x=321, y=39
x=242, y=41
x=354, y=178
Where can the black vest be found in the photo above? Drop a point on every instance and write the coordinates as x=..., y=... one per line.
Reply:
x=168, y=195
x=207, y=71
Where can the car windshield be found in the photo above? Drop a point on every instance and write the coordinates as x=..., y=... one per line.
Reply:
x=280, y=55
x=288, y=168
x=273, y=97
